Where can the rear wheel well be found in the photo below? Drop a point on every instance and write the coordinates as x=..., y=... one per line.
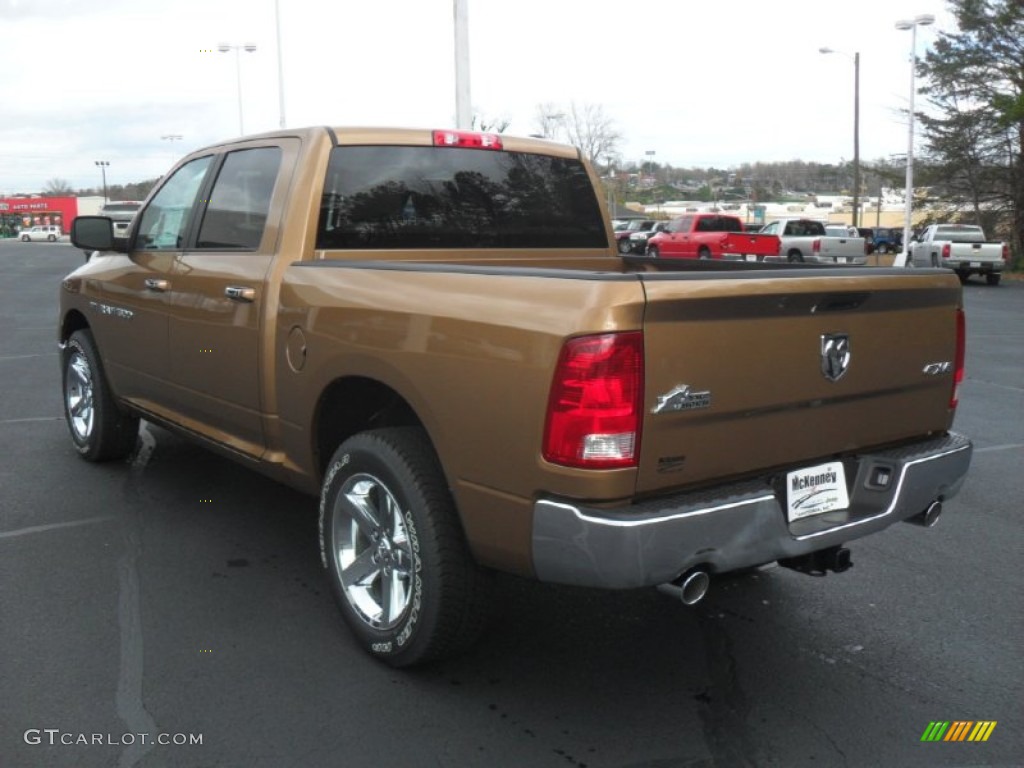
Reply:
x=353, y=405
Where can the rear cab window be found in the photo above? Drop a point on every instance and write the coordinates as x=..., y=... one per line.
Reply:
x=414, y=197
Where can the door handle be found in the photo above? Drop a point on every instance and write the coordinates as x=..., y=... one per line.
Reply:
x=155, y=284
x=238, y=293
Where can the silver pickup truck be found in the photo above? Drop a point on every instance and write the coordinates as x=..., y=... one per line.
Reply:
x=962, y=248
x=805, y=240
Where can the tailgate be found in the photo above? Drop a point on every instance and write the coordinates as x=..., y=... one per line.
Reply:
x=842, y=247
x=988, y=253
x=750, y=242
x=736, y=379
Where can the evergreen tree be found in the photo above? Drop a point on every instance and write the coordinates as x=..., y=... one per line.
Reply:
x=974, y=80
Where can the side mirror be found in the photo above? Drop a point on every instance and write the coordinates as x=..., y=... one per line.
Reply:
x=95, y=233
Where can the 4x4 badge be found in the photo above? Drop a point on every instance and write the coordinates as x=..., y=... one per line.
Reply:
x=835, y=355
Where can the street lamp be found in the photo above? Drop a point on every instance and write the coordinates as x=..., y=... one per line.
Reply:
x=856, y=129
x=103, y=164
x=918, y=21
x=172, y=137
x=248, y=48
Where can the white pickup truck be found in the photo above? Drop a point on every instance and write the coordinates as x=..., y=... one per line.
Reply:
x=805, y=240
x=962, y=248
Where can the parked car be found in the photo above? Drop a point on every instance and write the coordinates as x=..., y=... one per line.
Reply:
x=48, y=233
x=638, y=240
x=807, y=240
x=962, y=248
x=121, y=212
x=881, y=239
x=636, y=225
x=472, y=381
x=711, y=236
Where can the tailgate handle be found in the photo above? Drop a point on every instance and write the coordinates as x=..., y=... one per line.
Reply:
x=238, y=293
x=840, y=302
x=156, y=284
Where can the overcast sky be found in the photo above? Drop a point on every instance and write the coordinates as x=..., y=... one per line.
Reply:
x=699, y=84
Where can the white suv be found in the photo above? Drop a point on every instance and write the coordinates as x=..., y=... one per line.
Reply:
x=50, y=232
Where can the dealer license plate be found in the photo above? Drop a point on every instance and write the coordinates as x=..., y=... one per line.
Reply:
x=816, y=490
x=841, y=259
x=975, y=264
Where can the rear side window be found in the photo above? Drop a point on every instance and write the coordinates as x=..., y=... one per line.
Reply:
x=439, y=197
x=237, y=212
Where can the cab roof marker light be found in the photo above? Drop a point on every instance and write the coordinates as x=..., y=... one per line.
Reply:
x=467, y=140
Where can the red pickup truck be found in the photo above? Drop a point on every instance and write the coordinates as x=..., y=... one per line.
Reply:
x=711, y=236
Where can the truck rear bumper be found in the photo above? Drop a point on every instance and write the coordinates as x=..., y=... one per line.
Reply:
x=737, y=526
x=975, y=267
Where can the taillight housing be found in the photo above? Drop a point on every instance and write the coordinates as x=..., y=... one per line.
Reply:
x=947, y=249
x=595, y=409
x=958, y=364
x=467, y=139
x=816, y=246
x=1006, y=253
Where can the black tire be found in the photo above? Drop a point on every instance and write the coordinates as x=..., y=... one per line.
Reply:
x=883, y=249
x=52, y=238
x=100, y=429
x=625, y=246
x=795, y=257
x=652, y=251
x=704, y=253
x=26, y=239
x=419, y=556
x=992, y=278
x=964, y=277
x=935, y=261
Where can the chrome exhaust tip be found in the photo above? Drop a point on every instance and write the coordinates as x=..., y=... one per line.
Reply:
x=929, y=517
x=694, y=586
x=689, y=588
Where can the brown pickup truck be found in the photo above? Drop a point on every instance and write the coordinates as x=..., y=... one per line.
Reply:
x=434, y=332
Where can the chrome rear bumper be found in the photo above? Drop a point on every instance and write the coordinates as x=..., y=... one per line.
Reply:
x=739, y=525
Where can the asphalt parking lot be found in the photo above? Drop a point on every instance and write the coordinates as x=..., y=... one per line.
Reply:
x=180, y=595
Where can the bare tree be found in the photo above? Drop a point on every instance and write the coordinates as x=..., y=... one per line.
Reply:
x=591, y=130
x=585, y=126
x=490, y=123
x=57, y=188
x=550, y=121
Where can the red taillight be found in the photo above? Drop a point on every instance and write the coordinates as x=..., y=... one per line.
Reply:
x=596, y=404
x=958, y=365
x=1006, y=253
x=816, y=246
x=467, y=140
x=946, y=250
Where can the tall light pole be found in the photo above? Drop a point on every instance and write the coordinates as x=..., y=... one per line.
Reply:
x=918, y=21
x=103, y=165
x=248, y=48
x=463, y=109
x=280, y=66
x=856, y=130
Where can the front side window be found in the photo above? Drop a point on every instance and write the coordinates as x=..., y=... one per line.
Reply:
x=240, y=201
x=382, y=197
x=165, y=221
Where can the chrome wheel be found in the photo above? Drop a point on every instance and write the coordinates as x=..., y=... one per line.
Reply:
x=372, y=551
x=78, y=396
